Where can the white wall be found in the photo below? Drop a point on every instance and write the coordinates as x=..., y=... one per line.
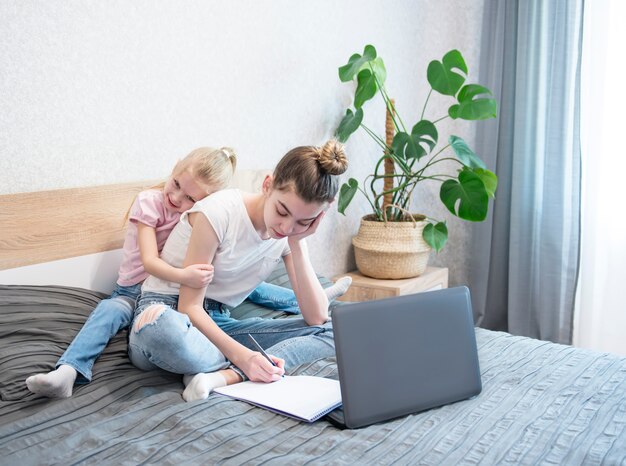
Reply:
x=97, y=92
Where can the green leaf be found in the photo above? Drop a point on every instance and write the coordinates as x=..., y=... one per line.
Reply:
x=466, y=198
x=464, y=153
x=349, y=124
x=421, y=141
x=469, y=91
x=355, y=63
x=365, y=89
x=426, y=133
x=443, y=76
x=404, y=146
x=436, y=235
x=489, y=179
x=472, y=108
x=378, y=68
x=346, y=193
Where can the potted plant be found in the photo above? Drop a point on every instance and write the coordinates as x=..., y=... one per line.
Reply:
x=410, y=155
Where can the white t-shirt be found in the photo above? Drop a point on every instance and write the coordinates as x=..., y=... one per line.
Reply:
x=242, y=260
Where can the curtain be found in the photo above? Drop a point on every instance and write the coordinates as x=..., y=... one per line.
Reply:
x=524, y=261
x=600, y=307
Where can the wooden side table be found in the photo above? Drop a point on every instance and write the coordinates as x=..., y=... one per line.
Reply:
x=366, y=288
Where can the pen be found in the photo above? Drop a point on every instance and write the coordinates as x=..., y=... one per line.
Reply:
x=261, y=350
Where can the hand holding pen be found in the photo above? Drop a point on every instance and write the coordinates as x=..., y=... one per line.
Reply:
x=265, y=355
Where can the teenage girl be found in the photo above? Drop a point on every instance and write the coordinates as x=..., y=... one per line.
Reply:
x=189, y=331
x=152, y=217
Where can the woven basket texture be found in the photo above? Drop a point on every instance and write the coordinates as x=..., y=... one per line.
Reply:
x=391, y=250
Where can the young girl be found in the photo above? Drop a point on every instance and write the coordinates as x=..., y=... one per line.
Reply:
x=188, y=331
x=152, y=217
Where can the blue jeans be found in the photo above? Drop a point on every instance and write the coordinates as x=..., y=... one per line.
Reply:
x=172, y=343
x=109, y=317
x=275, y=297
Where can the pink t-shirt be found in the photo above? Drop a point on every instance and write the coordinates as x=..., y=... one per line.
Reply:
x=148, y=209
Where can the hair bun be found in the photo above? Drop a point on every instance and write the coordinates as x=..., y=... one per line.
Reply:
x=332, y=157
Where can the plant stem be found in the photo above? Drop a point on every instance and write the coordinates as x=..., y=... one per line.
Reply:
x=426, y=103
x=398, y=189
x=431, y=163
x=368, y=199
x=376, y=138
x=440, y=151
x=405, y=168
x=438, y=120
x=437, y=177
x=391, y=108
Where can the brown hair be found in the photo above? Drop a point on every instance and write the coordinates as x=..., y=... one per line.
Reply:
x=312, y=171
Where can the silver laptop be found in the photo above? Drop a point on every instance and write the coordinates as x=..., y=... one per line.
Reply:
x=405, y=354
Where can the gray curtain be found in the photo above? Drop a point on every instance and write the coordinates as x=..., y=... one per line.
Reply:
x=524, y=262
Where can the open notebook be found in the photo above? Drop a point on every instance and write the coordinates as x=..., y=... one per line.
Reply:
x=303, y=397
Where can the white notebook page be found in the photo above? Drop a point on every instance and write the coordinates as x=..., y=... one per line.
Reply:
x=301, y=396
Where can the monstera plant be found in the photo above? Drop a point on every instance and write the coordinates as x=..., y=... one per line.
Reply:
x=411, y=154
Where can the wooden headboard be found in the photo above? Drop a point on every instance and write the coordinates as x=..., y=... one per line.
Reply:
x=46, y=226
x=50, y=225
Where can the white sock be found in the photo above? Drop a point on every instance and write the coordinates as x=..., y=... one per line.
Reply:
x=199, y=386
x=55, y=384
x=339, y=288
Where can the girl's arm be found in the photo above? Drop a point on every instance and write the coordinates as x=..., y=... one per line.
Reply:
x=309, y=292
x=202, y=246
x=195, y=275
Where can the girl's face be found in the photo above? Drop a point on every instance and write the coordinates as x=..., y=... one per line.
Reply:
x=182, y=191
x=286, y=214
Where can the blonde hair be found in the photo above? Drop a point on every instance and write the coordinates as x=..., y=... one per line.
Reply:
x=312, y=172
x=213, y=167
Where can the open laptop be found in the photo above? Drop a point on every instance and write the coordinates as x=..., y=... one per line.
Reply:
x=405, y=354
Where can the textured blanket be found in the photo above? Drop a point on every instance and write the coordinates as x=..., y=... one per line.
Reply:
x=541, y=403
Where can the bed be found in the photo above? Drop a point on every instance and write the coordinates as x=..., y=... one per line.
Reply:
x=541, y=403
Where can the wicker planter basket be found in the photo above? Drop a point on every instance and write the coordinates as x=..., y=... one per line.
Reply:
x=391, y=250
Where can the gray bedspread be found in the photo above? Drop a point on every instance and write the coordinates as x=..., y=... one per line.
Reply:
x=541, y=403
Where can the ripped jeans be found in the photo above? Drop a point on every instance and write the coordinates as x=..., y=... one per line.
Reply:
x=172, y=343
x=109, y=317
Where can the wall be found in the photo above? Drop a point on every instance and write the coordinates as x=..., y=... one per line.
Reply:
x=102, y=92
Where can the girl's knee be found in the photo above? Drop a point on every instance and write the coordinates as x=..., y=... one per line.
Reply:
x=148, y=316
